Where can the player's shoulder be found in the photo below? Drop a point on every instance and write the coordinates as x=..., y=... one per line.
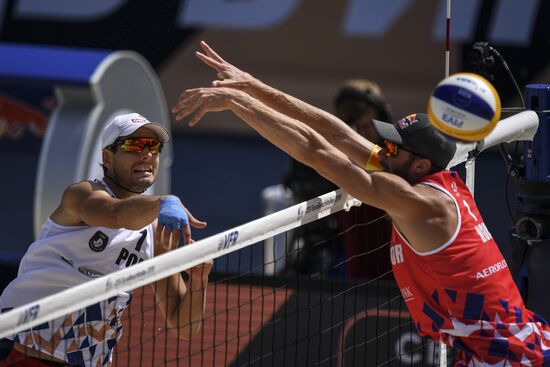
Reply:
x=429, y=190
x=439, y=201
x=89, y=185
x=83, y=189
x=68, y=211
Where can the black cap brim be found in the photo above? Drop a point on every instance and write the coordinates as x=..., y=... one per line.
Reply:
x=387, y=131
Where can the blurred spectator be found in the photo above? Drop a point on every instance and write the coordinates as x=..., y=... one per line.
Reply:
x=358, y=102
x=316, y=248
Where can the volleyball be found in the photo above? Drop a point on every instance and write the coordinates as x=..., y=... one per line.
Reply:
x=464, y=107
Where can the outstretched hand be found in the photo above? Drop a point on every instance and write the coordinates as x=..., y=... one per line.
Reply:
x=199, y=101
x=229, y=75
x=174, y=217
x=234, y=85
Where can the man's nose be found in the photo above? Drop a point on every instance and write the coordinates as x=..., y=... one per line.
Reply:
x=146, y=154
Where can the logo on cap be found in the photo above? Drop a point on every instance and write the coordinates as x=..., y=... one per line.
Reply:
x=407, y=121
x=139, y=120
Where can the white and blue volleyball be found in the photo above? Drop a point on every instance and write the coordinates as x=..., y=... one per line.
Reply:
x=464, y=107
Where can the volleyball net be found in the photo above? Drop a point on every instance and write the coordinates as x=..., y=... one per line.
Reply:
x=340, y=310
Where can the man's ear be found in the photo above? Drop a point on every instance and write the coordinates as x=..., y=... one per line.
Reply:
x=422, y=166
x=107, y=157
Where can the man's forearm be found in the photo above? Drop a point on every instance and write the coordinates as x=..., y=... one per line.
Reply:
x=302, y=143
x=334, y=130
x=131, y=213
x=137, y=212
x=321, y=121
x=287, y=133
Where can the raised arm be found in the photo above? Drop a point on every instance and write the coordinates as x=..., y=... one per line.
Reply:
x=417, y=210
x=334, y=130
x=296, y=139
x=87, y=203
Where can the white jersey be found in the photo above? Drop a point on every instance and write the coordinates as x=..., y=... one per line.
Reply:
x=63, y=257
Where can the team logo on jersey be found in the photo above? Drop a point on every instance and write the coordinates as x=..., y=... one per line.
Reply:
x=98, y=242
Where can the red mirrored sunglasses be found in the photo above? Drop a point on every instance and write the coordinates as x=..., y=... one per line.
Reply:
x=391, y=148
x=138, y=144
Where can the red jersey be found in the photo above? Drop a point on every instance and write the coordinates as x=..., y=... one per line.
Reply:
x=463, y=294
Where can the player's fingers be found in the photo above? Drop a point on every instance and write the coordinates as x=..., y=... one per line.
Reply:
x=210, y=52
x=208, y=61
x=228, y=84
x=158, y=233
x=173, y=238
x=187, y=106
x=194, y=222
x=186, y=98
x=205, y=268
x=197, y=117
x=165, y=236
x=209, y=264
x=186, y=109
x=225, y=83
x=186, y=230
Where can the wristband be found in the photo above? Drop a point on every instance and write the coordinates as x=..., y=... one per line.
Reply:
x=373, y=163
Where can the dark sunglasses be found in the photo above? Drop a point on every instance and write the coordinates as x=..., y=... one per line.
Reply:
x=391, y=148
x=137, y=145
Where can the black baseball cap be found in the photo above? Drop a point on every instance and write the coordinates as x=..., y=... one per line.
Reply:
x=415, y=134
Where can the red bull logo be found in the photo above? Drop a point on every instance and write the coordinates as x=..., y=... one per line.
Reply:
x=407, y=121
x=18, y=118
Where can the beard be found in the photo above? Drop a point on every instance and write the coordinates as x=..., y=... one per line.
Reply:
x=404, y=171
x=131, y=185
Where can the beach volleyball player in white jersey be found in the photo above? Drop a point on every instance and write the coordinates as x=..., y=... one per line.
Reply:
x=100, y=227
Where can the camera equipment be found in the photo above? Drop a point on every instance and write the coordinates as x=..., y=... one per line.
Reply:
x=530, y=235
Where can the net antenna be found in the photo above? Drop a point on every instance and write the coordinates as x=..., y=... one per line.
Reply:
x=448, y=39
x=442, y=347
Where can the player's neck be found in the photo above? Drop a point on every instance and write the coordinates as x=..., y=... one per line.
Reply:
x=120, y=191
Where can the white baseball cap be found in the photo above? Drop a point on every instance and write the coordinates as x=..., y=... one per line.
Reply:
x=124, y=125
